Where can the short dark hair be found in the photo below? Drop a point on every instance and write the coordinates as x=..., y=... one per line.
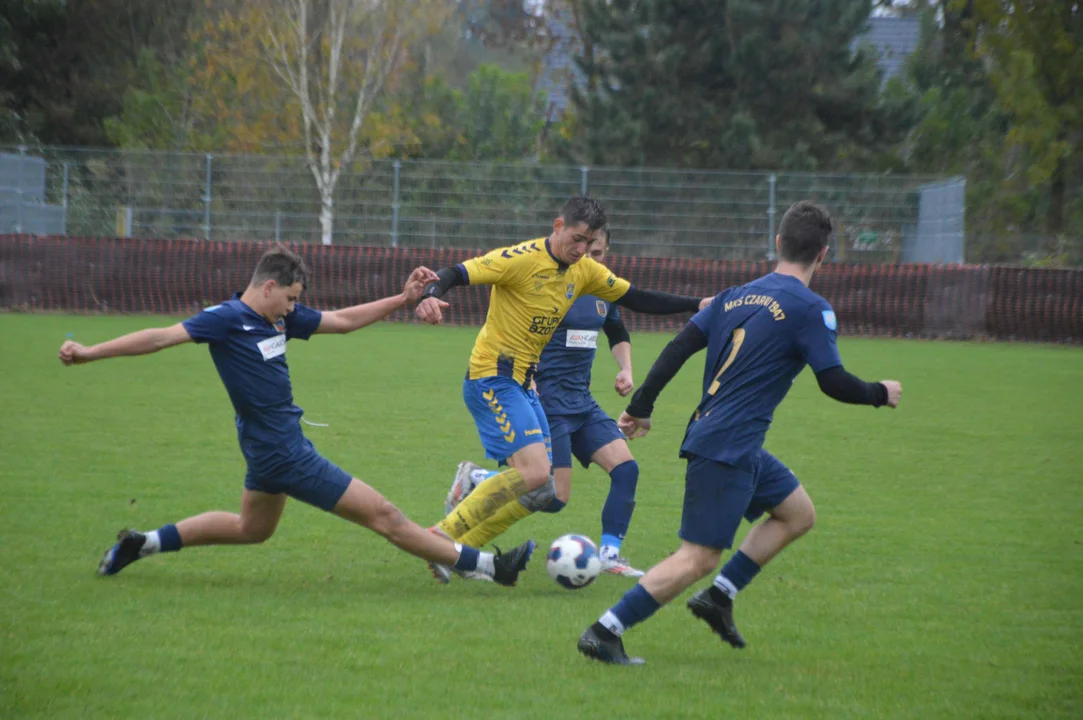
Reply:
x=584, y=210
x=605, y=234
x=805, y=229
x=283, y=266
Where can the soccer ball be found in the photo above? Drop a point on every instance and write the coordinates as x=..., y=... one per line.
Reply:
x=573, y=561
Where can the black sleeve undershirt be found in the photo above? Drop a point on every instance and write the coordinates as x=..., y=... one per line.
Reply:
x=653, y=302
x=689, y=342
x=840, y=385
x=449, y=277
x=616, y=332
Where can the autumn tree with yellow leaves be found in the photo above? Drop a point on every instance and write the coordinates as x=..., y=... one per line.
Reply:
x=335, y=58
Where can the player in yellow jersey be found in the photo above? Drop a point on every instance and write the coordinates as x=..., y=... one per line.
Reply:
x=534, y=285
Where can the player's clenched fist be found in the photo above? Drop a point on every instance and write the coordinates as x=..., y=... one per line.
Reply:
x=72, y=353
x=623, y=384
x=430, y=310
x=705, y=302
x=894, y=392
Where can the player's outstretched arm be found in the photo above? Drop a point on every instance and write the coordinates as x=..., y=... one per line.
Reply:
x=141, y=342
x=635, y=421
x=816, y=338
x=620, y=344
x=653, y=302
x=840, y=385
x=356, y=317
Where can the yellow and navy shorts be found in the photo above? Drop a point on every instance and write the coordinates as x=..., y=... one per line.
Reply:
x=508, y=416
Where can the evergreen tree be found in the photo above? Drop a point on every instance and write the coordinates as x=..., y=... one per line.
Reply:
x=65, y=65
x=731, y=84
x=1035, y=50
x=1000, y=105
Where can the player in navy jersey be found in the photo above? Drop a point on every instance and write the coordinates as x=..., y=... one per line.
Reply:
x=758, y=338
x=247, y=336
x=578, y=426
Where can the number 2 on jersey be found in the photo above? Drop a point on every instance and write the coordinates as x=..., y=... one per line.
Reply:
x=738, y=339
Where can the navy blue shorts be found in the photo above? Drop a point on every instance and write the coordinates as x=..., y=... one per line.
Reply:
x=306, y=476
x=581, y=435
x=717, y=496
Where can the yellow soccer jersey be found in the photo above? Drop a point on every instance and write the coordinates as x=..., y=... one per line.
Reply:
x=532, y=292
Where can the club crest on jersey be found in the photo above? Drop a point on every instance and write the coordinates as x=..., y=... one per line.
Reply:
x=600, y=304
x=570, y=291
x=829, y=319
x=280, y=325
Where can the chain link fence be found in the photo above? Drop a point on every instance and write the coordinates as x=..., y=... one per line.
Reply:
x=432, y=204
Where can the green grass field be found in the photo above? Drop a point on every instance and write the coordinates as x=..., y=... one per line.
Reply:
x=944, y=578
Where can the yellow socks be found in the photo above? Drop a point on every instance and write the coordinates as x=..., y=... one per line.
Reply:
x=496, y=525
x=482, y=504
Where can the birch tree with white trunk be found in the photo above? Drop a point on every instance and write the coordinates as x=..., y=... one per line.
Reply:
x=336, y=57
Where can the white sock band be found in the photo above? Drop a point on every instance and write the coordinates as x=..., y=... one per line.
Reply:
x=612, y=623
x=723, y=583
x=152, y=545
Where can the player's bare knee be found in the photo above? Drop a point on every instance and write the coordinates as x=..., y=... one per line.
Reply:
x=699, y=560
x=803, y=520
x=256, y=533
x=388, y=521
x=398, y=527
x=704, y=563
x=534, y=475
x=799, y=515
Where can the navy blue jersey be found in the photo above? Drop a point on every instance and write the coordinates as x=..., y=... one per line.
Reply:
x=250, y=355
x=564, y=367
x=759, y=338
